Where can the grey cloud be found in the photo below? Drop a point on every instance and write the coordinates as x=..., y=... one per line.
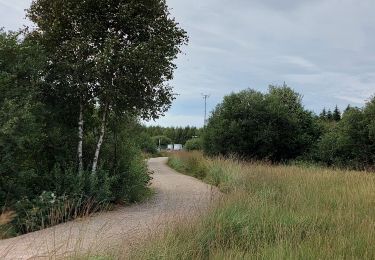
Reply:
x=285, y=5
x=322, y=48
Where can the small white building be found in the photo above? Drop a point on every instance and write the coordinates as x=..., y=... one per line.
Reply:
x=174, y=147
x=177, y=147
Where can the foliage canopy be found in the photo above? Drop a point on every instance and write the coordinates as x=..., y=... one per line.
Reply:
x=272, y=126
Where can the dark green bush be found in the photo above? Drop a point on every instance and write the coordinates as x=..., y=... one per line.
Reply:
x=131, y=176
x=350, y=143
x=147, y=144
x=162, y=140
x=194, y=144
x=38, y=149
x=273, y=126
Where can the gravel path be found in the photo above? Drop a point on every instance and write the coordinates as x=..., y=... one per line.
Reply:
x=178, y=198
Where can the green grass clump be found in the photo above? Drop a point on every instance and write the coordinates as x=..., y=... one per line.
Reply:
x=274, y=212
x=191, y=165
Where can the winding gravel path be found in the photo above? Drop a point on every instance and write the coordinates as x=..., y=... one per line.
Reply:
x=178, y=198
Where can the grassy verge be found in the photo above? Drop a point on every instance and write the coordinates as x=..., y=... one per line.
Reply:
x=274, y=212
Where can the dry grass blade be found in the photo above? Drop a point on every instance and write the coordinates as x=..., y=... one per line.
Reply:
x=7, y=217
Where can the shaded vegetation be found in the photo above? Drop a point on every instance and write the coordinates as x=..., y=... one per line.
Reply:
x=73, y=91
x=272, y=126
x=350, y=143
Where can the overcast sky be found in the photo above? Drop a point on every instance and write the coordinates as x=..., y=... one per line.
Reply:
x=324, y=49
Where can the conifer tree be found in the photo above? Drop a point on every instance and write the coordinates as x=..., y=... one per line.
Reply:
x=337, y=114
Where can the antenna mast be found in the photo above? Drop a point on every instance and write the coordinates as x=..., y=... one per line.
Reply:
x=205, y=97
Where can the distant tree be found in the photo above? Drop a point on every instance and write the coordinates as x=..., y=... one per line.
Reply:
x=369, y=112
x=323, y=115
x=351, y=142
x=347, y=108
x=336, y=114
x=146, y=143
x=178, y=135
x=161, y=140
x=113, y=55
x=194, y=144
x=329, y=115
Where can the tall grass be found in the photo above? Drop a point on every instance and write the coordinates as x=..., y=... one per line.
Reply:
x=6, y=229
x=37, y=216
x=274, y=212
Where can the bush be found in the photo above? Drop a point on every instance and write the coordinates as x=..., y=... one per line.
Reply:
x=147, y=144
x=164, y=141
x=131, y=176
x=351, y=142
x=272, y=126
x=122, y=178
x=71, y=195
x=194, y=144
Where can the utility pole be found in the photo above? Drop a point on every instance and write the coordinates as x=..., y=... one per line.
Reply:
x=205, y=97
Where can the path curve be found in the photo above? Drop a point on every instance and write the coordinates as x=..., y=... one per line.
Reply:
x=177, y=197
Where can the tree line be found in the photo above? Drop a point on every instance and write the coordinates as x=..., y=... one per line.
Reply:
x=176, y=135
x=275, y=127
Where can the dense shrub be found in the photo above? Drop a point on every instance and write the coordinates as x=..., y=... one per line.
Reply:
x=350, y=143
x=131, y=177
x=38, y=153
x=273, y=126
x=194, y=144
x=162, y=140
x=147, y=144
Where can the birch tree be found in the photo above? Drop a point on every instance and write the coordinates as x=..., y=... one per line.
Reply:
x=115, y=54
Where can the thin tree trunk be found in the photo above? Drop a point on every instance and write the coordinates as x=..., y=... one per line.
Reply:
x=80, y=139
x=100, y=142
x=115, y=160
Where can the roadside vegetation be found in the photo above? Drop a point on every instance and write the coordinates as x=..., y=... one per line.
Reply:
x=276, y=127
x=73, y=90
x=273, y=212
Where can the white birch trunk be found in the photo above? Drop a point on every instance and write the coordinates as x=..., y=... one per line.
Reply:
x=100, y=142
x=80, y=140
